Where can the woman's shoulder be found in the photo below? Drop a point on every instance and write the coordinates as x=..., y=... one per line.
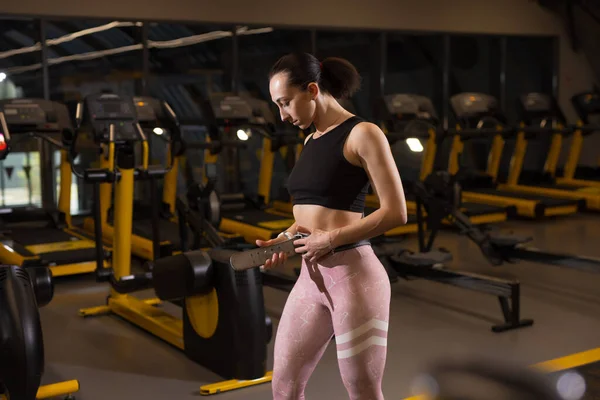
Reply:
x=366, y=133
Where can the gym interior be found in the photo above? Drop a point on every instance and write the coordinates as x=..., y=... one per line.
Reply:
x=140, y=151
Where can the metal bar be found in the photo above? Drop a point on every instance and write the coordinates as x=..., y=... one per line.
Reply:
x=383, y=62
x=98, y=228
x=145, y=59
x=155, y=219
x=479, y=283
x=46, y=160
x=446, y=84
x=555, y=67
x=589, y=264
x=44, y=54
x=503, y=61
x=234, y=62
x=420, y=222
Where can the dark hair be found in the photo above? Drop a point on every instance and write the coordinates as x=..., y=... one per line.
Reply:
x=334, y=75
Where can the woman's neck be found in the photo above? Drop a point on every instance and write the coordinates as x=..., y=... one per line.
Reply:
x=328, y=114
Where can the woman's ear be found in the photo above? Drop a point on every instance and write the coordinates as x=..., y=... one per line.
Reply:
x=313, y=89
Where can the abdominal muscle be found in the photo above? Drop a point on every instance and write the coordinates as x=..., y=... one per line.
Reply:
x=323, y=218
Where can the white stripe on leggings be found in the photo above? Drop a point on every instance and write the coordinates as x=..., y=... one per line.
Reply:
x=372, y=324
x=371, y=341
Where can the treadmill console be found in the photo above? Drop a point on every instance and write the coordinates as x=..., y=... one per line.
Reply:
x=538, y=108
x=409, y=105
x=587, y=105
x=35, y=115
x=156, y=116
x=146, y=109
x=226, y=107
x=106, y=109
x=467, y=105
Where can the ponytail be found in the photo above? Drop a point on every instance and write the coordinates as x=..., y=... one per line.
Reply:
x=339, y=77
x=335, y=76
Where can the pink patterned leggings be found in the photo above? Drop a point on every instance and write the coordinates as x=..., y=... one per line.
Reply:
x=346, y=295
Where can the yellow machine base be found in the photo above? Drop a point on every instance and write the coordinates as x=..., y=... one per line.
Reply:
x=144, y=314
x=58, y=389
x=165, y=326
x=525, y=208
x=249, y=232
x=66, y=388
x=590, y=195
x=75, y=269
x=233, y=384
x=594, y=185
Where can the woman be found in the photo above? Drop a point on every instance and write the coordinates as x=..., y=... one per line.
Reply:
x=343, y=289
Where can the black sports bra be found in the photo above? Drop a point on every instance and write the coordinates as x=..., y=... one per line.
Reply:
x=323, y=176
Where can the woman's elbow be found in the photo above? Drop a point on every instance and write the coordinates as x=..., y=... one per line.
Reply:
x=402, y=217
x=397, y=216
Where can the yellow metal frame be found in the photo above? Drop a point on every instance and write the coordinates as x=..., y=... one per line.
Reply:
x=143, y=313
x=8, y=255
x=525, y=208
x=554, y=153
x=265, y=176
x=555, y=365
x=592, y=185
x=574, y=153
x=140, y=246
x=517, y=158
x=66, y=388
x=590, y=195
x=225, y=386
x=249, y=232
x=495, y=155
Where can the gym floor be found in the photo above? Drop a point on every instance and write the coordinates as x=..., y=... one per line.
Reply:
x=429, y=321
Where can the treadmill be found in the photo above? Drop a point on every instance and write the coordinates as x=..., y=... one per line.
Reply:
x=409, y=121
x=543, y=117
x=48, y=239
x=233, y=118
x=587, y=105
x=158, y=122
x=478, y=121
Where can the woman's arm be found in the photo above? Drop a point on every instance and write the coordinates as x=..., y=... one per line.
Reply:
x=372, y=148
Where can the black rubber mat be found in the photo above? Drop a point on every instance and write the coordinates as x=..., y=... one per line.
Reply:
x=167, y=231
x=549, y=201
x=69, y=256
x=34, y=236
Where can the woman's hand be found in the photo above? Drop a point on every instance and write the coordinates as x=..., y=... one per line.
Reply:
x=278, y=259
x=315, y=246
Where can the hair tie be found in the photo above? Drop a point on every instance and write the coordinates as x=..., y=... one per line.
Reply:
x=321, y=66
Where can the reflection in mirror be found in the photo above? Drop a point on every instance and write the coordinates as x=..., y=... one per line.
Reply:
x=20, y=76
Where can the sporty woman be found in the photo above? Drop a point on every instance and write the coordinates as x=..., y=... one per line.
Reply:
x=343, y=290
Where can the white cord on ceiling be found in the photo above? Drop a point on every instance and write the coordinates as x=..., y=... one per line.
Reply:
x=67, y=38
x=185, y=41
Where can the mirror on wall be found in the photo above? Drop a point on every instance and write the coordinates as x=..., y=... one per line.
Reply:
x=183, y=63
x=21, y=76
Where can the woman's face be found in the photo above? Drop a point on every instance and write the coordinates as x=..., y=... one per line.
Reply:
x=295, y=105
